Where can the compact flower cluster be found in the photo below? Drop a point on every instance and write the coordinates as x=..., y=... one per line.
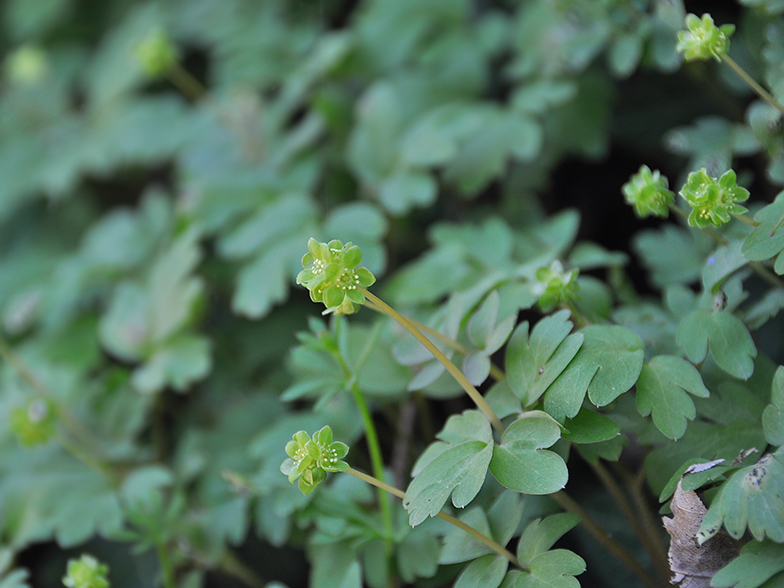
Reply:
x=34, y=423
x=332, y=276
x=556, y=285
x=310, y=459
x=86, y=572
x=704, y=39
x=713, y=201
x=155, y=54
x=648, y=192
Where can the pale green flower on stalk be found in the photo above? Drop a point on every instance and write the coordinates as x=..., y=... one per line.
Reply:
x=311, y=458
x=704, y=39
x=331, y=275
x=86, y=572
x=648, y=192
x=713, y=201
x=555, y=285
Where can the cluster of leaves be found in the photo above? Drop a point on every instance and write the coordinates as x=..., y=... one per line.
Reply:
x=162, y=166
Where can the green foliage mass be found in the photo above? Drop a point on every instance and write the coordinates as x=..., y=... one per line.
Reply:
x=164, y=168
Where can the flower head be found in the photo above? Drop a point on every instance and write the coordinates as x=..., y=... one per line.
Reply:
x=713, y=201
x=647, y=192
x=86, y=572
x=311, y=458
x=331, y=274
x=156, y=54
x=704, y=39
x=556, y=285
x=34, y=423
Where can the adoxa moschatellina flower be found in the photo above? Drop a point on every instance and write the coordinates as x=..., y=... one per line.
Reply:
x=704, y=39
x=311, y=458
x=331, y=275
x=86, y=572
x=555, y=285
x=647, y=192
x=712, y=200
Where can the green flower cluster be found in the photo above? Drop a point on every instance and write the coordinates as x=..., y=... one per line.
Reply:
x=556, y=285
x=34, y=423
x=704, y=39
x=332, y=276
x=156, y=54
x=310, y=459
x=713, y=201
x=647, y=192
x=86, y=572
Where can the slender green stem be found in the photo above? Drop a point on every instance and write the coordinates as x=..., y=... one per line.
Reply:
x=182, y=79
x=618, y=550
x=649, y=540
x=776, y=226
x=167, y=570
x=229, y=564
x=480, y=402
x=763, y=93
x=376, y=461
x=744, y=219
x=496, y=372
x=500, y=550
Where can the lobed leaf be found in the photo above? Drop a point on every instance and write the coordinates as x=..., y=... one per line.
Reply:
x=661, y=390
x=607, y=365
x=520, y=461
x=757, y=563
x=532, y=364
x=730, y=342
x=773, y=415
x=541, y=534
x=486, y=571
x=456, y=465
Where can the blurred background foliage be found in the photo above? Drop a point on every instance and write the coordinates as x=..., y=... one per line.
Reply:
x=152, y=222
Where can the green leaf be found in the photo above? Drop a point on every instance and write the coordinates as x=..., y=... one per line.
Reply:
x=590, y=426
x=767, y=240
x=671, y=255
x=183, y=360
x=460, y=546
x=730, y=342
x=607, y=365
x=456, y=463
x=757, y=563
x=486, y=571
x=520, y=461
x=661, y=390
x=553, y=569
x=541, y=534
x=334, y=565
x=721, y=263
x=773, y=415
x=753, y=497
x=533, y=364
x=404, y=190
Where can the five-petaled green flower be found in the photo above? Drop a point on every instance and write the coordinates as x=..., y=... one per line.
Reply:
x=332, y=276
x=86, y=572
x=647, y=192
x=713, y=201
x=556, y=285
x=310, y=459
x=704, y=39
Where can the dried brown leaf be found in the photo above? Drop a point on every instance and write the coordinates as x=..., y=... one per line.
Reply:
x=692, y=564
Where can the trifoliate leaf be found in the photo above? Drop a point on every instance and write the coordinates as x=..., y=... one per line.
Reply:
x=607, y=365
x=757, y=563
x=541, y=534
x=520, y=461
x=661, y=390
x=484, y=572
x=533, y=364
x=773, y=415
x=730, y=342
x=753, y=496
x=456, y=463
